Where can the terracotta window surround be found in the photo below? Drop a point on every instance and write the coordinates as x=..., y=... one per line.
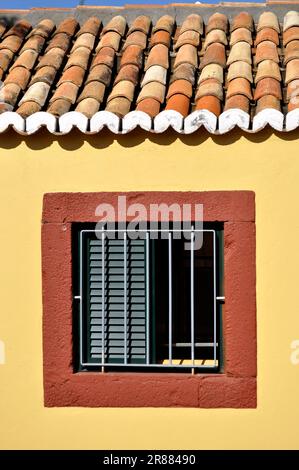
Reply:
x=234, y=388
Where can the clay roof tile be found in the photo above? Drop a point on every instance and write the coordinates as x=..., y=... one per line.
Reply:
x=266, y=102
x=237, y=102
x=44, y=28
x=164, y=23
x=239, y=86
x=184, y=72
x=67, y=26
x=152, y=90
x=88, y=106
x=28, y=108
x=27, y=59
x=20, y=76
x=158, y=56
x=124, y=88
x=291, y=19
x=38, y=92
x=156, y=73
x=67, y=90
x=216, y=35
x=120, y=106
x=267, y=34
x=268, y=19
x=266, y=50
x=268, y=86
x=13, y=43
x=9, y=93
x=240, y=51
x=132, y=55
x=137, y=38
x=211, y=71
x=160, y=37
x=116, y=24
x=240, y=70
x=94, y=90
x=292, y=34
x=211, y=103
x=240, y=34
x=128, y=72
x=110, y=39
x=105, y=56
x=188, y=37
x=92, y=26
x=291, y=51
x=267, y=68
x=61, y=40
x=84, y=40
x=74, y=74
x=149, y=106
x=141, y=23
x=6, y=56
x=186, y=55
x=20, y=29
x=53, y=58
x=242, y=20
x=292, y=71
x=194, y=23
x=214, y=54
x=179, y=103
x=35, y=43
x=45, y=74
x=182, y=87
x=102, y=73
x=59, y=107
x=217, y=21
x=210, y=87
x=79, y=57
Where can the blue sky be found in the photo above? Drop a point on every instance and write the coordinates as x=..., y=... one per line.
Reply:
x=72, y=3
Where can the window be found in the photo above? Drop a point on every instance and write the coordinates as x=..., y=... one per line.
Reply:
x=147, y=379
x=150, y=302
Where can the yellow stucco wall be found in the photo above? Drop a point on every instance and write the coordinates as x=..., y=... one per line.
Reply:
x=265, y=163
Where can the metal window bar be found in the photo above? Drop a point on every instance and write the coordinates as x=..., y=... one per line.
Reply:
x=193, y=344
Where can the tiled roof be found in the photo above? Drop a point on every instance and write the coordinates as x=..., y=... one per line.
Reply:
x=153, y=71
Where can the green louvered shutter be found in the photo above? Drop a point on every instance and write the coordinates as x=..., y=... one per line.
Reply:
x=114, y=300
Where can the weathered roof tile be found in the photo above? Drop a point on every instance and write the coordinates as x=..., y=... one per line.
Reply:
x=188, y=37
x=217, y=21
x=237, y=102
x=100, y=72
x=268, y=86
x=239, y=86
x=194, y=23
x=116, y=24
x=164, y=23
x=152, y=90
x=186, y=55
x=240, y=70
x=211, y=103
x=268, y=68
x=183, y=87
x=266, y=50
x=88, y=106
x=211, y=71
x=94, y=90
x=215, y=54
x=240, y=51
x=292, y=71
x=240, y=34
x=266, y=102
x=242, y=20
x=158, y=56
x=216, y=35
x=268, y=19
x=210, y=87
x=120, y=106
x=141, y=23
x=179, y=103
x=156, y=73
x=130, y=72
x=267, y=34
x=110, y=39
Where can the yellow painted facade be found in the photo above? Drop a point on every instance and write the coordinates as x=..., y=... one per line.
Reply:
x=266, y=163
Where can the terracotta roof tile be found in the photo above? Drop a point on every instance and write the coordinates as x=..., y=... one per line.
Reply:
x=267, y=68
x=38, y=92
x=216, y=35
x=102, y=73
x=291, y=51
x=9, y=93
x=156, y=73
x=35, y=43
x=266, y=102
x=291, y=19
x=105, y=56
x=185, y=72
x=266, y=50
x=292, y=89
x=85, y=40
x=67, y=26
x=240, y=70
x=116, y=24
x=44, y=28
x=215, y=54
x=137, y=38
x=158, y=56
x=59, y=107
x=149, y=106
x=239, y=86
x=141, y=23
x=94, y=90
x=129, y=72
x=2, y=29
x=120, y=106
x=186, y=55
x=92, y=25
x=211, y=103
x=210, y=87
x=292, y=71
x=124, y=89
x=179, y=103
x=268, y=19
x=188, y=37
x=294, y=104
x=5, y=58
x=88, y=106
x=193, y=22
x=160, y=37
x=110, y=39
x=240, y=34
x=28, y=108
x=45, y=74
x=291, y=35
x=27, y=59
x=217, y=21
x=240, y=51
x=133, y=68
x=182, y=87
x=164, y=23
x=60, y=40
x=79, y=57
x=242, y=20
x=13, y=43
x=132, y=55
x=53, y=58
x=20, y=76
x=152, y=90
x=268, y=86
x=67, y=90
x=74, y=74
x=237, y=102
x=211, y=71
x=267, y=34
x=20, y=29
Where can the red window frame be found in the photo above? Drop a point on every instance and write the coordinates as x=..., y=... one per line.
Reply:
x=236, y=387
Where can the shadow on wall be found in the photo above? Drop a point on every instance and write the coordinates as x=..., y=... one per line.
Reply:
x=75, y=139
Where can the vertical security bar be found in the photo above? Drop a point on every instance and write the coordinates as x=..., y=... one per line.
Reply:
x=147, y=301
x=192, y=295
x=215, y=296
x=103, y=299
x=170, y=298
x=81, y=300
x=125, y=298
